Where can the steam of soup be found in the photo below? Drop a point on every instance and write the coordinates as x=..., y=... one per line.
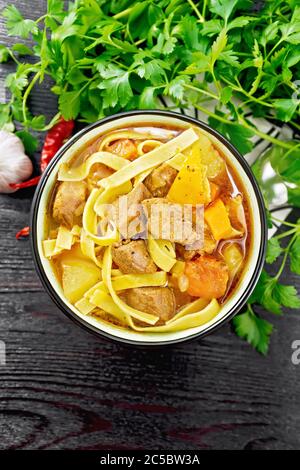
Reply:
x=115, y=262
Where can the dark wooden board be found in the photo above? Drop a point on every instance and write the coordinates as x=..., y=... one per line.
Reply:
x=62, y=388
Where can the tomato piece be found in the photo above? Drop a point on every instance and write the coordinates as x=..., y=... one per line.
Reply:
x=208, y=277
x=124, y=148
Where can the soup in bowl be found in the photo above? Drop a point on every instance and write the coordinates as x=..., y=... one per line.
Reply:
x=149, y=228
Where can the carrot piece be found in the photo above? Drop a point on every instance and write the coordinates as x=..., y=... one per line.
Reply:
x=217, y=218
x=208, y=277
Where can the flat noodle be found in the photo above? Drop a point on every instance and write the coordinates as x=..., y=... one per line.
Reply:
x=106, y=273
x=185, y=322
x=186, y=318
x=233, y=234
x=64, y=241
x=76, y=230
x=109, y=195
x=79, y=173
x=130, y=281
x=84, y=306
x=50, y=250
x=89, y=293
x=177, y=161
x=151, y=159
x=89, y=221
x=87, y=246
x=94, y=202
x=162, y=252
x=123, y=135
x=193, y=307
x=149, y=143
x=106, y=303
x=64, y=238
x=116, y=273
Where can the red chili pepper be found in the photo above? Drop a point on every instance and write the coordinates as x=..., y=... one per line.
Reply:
x=54, y=140
x=26, y=184
x=22, y=233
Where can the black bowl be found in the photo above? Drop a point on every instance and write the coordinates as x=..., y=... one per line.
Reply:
x=262, y=221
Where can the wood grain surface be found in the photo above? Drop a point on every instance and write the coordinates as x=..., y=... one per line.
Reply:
x=62, y=388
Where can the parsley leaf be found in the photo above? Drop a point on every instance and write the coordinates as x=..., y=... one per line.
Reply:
x=236, y=133
x=285, y=108
x=286, y=164
x=189, y=32
x=5, y=115
x=253, y=329
x=273, y=250
x=29, y=141
x=294, y=196
x=153, y=70
x=16, y=82
x=55, y=8
x=69, y=104
x=16, y=24
x=4, y=53
x=295, y=256
x=67, y=28
x=148, y=99
x=218, y=46
x=272, y=295
x=176, y=87
x=22, y=49
x=38, y=122
x=116, y=90
x=223, y=8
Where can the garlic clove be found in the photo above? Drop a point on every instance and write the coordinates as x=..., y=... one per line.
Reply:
x=15, y=165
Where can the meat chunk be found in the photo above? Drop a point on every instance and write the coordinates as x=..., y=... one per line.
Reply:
x=130, y=218
x=168, y=221
x=209, y=246
x=132, y=257
x=160, y=180
x=181, y=298
x=69, y=202
x=184, y=254
x=158, y=301
x=97, y=172
x=124, y=148
x=138, y=194
x=209, y=243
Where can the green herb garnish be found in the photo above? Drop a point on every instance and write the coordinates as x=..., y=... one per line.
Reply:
x=222, y=57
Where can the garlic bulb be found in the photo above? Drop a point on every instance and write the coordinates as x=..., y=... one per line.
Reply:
x=15, y=166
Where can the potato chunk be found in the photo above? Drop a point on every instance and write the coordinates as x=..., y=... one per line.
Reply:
x=191, y=185
x=233, y=257
x=209, y=156
x=78, y=276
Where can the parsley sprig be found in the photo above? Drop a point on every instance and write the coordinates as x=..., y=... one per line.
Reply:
x=269, y=292
x=223, y=57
